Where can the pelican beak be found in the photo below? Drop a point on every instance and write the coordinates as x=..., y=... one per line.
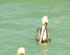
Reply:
x=44, y=28
x=42, y=33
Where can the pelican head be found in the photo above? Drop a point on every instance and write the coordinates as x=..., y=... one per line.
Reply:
x=21, y=51
x=45, y=20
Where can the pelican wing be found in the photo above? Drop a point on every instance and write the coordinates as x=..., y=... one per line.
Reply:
x=48, y=35
x=38, y=33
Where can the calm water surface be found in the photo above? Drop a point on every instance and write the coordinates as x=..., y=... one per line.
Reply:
x=19, y=20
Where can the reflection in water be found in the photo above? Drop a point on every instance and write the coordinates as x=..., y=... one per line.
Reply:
x=44, y=48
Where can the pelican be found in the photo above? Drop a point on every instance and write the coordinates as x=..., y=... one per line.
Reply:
x=21, y=51
x=42, y=34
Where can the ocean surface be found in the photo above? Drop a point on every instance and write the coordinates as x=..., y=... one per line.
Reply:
x=19, y=20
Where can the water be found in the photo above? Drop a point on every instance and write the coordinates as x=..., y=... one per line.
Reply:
x=19, y=20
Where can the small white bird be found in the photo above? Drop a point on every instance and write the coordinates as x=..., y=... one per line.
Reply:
x=21, y=51
x=42, y=34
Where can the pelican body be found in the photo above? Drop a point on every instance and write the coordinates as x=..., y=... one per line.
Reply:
x=21, y=51
x=42, y=34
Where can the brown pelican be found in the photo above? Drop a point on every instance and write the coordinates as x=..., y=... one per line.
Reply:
x=21, y=51
x=42, y=34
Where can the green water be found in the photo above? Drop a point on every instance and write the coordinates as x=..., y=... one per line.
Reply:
x=19, y=20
